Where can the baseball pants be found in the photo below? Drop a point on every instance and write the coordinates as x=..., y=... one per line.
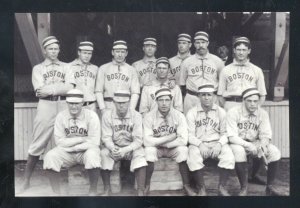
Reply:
x=43, y=125
x=58, y=157
x=195, y=158
x=179, y=154
x=240, y=153
x=137, y=158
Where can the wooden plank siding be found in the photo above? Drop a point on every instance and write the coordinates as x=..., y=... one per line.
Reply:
x=24, y=114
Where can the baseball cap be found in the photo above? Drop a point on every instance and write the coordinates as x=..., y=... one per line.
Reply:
x=206, y=88
x=184, y=37
x=162, y=92
x=120, y=44
x=150, y=41
x=250, y=91
x=121, y=96
x=201, y=35
x=164, y=60
x=86, y=45
x=241, y=40
x=49, y=40
x=74, y=96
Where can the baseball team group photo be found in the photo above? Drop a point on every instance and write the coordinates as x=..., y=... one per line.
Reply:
x=151, y=104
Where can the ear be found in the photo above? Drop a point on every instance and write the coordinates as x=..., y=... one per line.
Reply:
x=112, y=52
x=249, y=50
x=126, y=53
x=78, y=52
x=207, y=43
x=190, y=45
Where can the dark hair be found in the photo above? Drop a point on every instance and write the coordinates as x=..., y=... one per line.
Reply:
x=240, y=43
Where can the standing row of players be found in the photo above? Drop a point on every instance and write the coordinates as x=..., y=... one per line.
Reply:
x=52, y=79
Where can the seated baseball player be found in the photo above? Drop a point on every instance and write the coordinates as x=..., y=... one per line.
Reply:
x=77, y=138
x=122, y=138
x=148, y=102
x=207, y=139
x=166, y=135
x=249, y=132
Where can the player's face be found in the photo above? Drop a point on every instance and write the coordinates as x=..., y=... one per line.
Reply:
x=241, y=52
x=183, y=46
x=85, y=56
x=119, y=55
x=206, y=99
x=122, y=108
x=201, y=46
x=251, y=103
x=149, y=50
x=162, y=70
x=164, y=103
x=75, y=108
x=52, y=51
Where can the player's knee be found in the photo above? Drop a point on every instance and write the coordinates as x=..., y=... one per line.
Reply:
x=104, y=152
x=151, y=154
x=92, y=153
x=239, y=153
x=274, y=153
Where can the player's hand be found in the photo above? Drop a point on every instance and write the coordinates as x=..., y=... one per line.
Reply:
x=216, y=150
x=171, y=83
x=68, y=149
x=44, y=91
x=122, y=152
x=251, y=148
x=115, y=153
x=264, y=148
x=204, y=150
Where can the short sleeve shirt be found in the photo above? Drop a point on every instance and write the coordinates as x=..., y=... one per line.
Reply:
x=146, y=71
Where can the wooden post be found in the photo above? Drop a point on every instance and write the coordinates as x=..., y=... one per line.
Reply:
x=43, y=26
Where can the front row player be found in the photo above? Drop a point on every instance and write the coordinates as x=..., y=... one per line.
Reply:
x=208, y=139
x=249, y=132
x=122, y=137
x=77, y=138
x=166, y=135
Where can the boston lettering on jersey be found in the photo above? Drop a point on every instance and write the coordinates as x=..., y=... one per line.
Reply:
x=76, y=130
x=164, y=128
x=206, y=69
x=147, y=70
x=123, y=127
x=248, y=125
x=54, y=73
x=207, y=122
x=243, y=76
x=84, y=73
x=119, y=76
x=175, y=70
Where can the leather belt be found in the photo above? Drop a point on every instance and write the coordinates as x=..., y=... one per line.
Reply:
x=88, y=103
x=234, y=98
x=54, y=98
x=108, y=99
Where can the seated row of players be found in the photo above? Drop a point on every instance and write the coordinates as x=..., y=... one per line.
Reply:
x=206, y=132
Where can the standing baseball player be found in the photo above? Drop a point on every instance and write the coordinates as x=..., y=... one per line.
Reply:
x=51, y=81
x=184, y=45
x=240, y=75
x=166, y=135
x=145, y=67
x=148, y=102
x=198, y=69
x=114, y=76
x=77, y=137
x=122, y=134
x=85, y=74
x=249, y=132
x=208, y=139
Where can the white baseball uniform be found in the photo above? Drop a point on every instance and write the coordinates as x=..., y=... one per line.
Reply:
x=146, y=71
x=175, y=63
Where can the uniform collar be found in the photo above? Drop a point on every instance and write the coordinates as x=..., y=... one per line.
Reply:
x=158, y=83
x=159, y=115
x=147, y=60
x=199, y=107
x=202, y=57
x=115, y=115
x=246, y=113
x=246, y=63
x=182, y=58
x=79, y=117
x=79, y=62
x=120, y=64
x=48, y=62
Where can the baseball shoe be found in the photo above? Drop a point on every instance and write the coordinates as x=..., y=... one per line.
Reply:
x=202, y=192
x=140, y=192
x=147, y=190
x=222, y=191
x=23, y=188
x=273, y=191
x=188, y=190
x=257, y=180
x=107, y=192
x=243, y=192
x=92, y=193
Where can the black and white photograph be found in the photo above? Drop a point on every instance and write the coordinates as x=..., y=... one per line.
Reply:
x=151, y=104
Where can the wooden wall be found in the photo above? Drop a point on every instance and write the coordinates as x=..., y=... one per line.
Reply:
x=24, y=114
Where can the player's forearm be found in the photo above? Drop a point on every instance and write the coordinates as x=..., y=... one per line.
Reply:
x=61, y=88
x=84, y=146
x=108, y=143
x=194, y=141
x=69, y=142
x=100, y=100
x=223, y=140
x=133, y=101
x=175, y=143
x=237, y=140
x=156, y=141
x=221, y=100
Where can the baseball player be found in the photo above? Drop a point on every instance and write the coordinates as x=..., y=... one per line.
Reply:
x=114, y=76
x=249, y=132
x=51, y=81
x=240, y=75
x=77, y=137
x=166, y=135
x=145, y=67
x=208, y=139
x=148, y=102
x=184, y=45
x=85, y=74
x=223, y=53
x=200, y=68
x=122, y=138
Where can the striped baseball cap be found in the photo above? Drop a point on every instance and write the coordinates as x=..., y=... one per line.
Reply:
x=49, y=40
x=162, y=92
x=121, y=96
x=74, y=96
x=150, y=41
x=86, y=45
x=164, y=60
x=241, y=40
x=184, y=37
x=206, y=88
x=250, y=91
x=120, y=44
x=201, y=35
